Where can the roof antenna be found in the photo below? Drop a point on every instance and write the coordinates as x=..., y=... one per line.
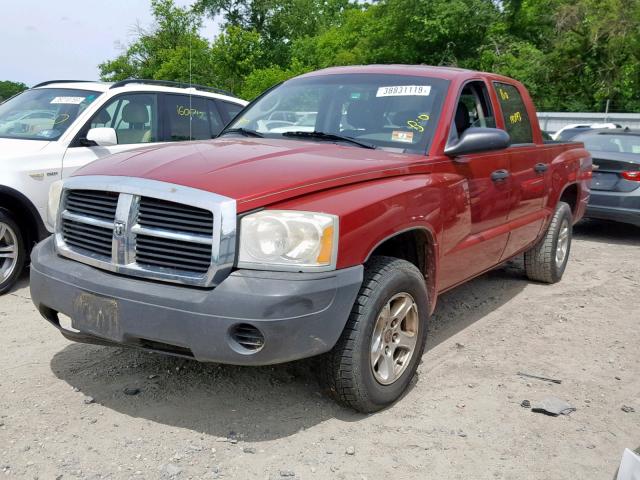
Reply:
x=190, y=87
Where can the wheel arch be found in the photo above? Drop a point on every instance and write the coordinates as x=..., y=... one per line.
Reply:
x=417, y=245
x=571, y=195
x=25, y=215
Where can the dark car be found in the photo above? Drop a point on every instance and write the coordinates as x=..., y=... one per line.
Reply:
x=615, y=189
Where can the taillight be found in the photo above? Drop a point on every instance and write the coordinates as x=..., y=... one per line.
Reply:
x=634, y=175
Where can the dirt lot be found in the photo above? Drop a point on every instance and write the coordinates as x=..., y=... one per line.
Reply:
x=462, y=418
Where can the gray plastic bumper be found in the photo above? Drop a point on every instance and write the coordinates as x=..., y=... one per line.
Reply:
x=299, y=314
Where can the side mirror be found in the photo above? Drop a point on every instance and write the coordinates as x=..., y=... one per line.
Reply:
x=103, y=136
x=476, y=139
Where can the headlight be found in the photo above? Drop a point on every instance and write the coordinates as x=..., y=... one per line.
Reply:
x=55, y=190
x=288, y=240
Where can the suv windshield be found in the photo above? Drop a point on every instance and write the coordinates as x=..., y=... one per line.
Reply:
x=43, y=113
x=387, y=111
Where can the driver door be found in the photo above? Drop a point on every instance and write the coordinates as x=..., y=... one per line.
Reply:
x=133, y=116
x=476, y=212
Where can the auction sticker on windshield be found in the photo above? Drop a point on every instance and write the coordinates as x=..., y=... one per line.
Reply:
x=404, y=91
x=68, y=100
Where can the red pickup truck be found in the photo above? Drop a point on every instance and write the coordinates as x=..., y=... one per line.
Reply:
x=324, y=221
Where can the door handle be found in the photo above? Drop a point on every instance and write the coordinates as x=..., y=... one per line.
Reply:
x=499, y=175
x=541, y=167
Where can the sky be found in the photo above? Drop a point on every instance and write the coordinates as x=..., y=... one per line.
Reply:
x=67, y=39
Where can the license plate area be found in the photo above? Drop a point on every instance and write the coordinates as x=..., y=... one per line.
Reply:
x=97, y=315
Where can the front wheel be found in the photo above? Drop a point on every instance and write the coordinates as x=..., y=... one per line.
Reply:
x=12, y=251
x=380, y=348
x=547, y=260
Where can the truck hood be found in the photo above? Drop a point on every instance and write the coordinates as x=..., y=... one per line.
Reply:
x=257, y=171
x=12, y=147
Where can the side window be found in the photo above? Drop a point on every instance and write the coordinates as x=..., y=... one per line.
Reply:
x=473, y=109
x=229, y=109
x=190, y=118
x=514, y=112
x=134, y=117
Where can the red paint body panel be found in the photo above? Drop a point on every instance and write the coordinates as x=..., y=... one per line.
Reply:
x=472, y=222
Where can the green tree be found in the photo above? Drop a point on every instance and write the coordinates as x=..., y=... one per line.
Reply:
x=8, y=89
x=157, y=53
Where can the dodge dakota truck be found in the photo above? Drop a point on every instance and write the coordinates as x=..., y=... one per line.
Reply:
x=324, y=222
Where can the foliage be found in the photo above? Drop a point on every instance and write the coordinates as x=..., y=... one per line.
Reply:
x=571, y=54
x=8, y=89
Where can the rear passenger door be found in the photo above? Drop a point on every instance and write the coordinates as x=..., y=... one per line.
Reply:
x=528, y=169
x=190, y=118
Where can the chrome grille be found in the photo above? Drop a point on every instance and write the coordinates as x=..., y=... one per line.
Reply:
x=92, y=203
x=174, y=216
x=163, y=252
x=91, y=238
x=134, y=226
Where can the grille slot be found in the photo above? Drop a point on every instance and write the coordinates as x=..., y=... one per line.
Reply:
x=93, y=239
x=247, y=336
x=92, y=203
x=165, y=253
x=155, y=213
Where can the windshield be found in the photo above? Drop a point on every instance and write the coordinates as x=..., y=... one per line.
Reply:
x=605, y=142
x=399, y=112
x=43, y=113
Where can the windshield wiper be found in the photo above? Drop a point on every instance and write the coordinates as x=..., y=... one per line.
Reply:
x=329, y=137
x=242, y=131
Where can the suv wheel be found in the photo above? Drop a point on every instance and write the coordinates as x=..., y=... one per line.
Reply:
x=380, y=348
x=547, y=260
x=12, y=251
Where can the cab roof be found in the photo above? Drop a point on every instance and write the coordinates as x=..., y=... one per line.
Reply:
x=446, y=73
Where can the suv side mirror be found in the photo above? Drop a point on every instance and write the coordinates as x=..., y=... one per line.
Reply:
x=477, y=139
x=103, y=136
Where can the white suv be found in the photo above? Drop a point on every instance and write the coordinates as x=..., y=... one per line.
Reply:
x=50, y=130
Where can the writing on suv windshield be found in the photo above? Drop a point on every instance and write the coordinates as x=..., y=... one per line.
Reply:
x=43, y=113
x=399, y=112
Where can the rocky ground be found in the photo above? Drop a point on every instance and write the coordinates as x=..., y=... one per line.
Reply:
x=78, y=411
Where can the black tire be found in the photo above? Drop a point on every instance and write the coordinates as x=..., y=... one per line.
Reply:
x=7, y=220
x=345, y=372
x=540, y=262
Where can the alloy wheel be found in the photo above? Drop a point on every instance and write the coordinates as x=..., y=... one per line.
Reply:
x=394, y=339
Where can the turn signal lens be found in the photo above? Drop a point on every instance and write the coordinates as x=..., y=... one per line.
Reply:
x=634, y=175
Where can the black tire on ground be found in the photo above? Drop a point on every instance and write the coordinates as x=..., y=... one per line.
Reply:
x=541, y=262
x=7, y=220
x=346, y=373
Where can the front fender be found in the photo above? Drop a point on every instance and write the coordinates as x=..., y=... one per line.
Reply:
x=375, y=211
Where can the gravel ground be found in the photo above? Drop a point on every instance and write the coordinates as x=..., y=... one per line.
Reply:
x=64, y=412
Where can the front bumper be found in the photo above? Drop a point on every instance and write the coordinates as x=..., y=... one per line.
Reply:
x=619, y=206
x=299, y=314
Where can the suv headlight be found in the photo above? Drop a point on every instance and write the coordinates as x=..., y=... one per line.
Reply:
x=288, y=240
x=55, y=191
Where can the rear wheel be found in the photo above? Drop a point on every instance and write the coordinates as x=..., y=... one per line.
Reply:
x=380, y=348
x=547, y=260
x=12, y=251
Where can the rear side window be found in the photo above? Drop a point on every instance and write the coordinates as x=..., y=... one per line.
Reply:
x=190, y=118
x=514, y=112
x=229, y=109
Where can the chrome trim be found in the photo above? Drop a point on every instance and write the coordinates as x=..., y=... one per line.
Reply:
x=85, y=219
x=169, y=235
x=131, y=189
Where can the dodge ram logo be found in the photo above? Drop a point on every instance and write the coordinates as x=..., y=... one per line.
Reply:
x=118, y=229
